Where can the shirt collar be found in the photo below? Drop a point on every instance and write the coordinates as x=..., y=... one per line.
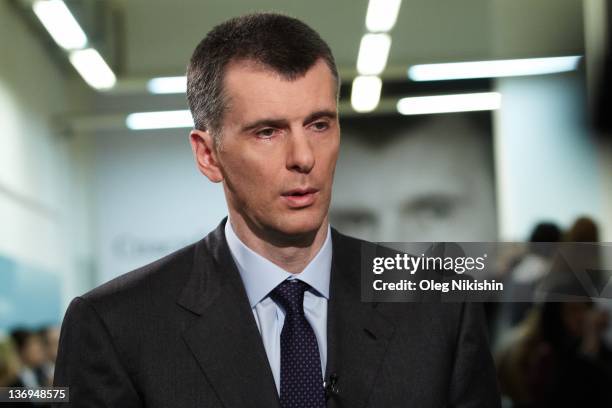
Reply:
x=260, y=276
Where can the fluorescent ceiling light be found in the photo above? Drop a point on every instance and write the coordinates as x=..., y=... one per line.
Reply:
x=382, y=15
x=493, y=69
x=159, y=120
x=60, y=23
x=92, y=67
x=373, y=54
x=449, y=103
x=167, y=85
x=365, y=93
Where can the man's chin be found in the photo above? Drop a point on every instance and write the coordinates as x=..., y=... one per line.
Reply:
x=301, y=225
x=303, y=228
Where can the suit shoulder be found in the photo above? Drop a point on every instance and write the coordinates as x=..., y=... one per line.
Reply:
x=351, y=246
x=347, y=242
x=166, y=275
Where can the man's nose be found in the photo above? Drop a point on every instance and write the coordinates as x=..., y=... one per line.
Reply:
x=300, y=155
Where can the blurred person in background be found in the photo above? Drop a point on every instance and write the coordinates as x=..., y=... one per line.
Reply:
x=50, y=338
x=9, y=365
x=31, y=351
x=576, y=268
x=556, y=358
x=527, y=272
x=584, y=229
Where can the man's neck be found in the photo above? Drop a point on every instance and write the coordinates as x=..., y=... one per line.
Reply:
x=291, y=255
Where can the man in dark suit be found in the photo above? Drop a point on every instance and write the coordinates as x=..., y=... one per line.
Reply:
x=265, y=311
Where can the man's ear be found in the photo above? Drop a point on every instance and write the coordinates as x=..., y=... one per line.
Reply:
x=205, y=154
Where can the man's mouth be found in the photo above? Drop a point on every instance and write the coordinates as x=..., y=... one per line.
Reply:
x=300, y=197
x=300, y=191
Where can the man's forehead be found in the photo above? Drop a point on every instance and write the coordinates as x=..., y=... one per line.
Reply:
x=254, y=90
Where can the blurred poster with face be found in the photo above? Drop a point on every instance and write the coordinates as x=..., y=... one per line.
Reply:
x=427, y=178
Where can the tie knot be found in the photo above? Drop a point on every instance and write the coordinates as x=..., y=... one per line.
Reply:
x=290, y=295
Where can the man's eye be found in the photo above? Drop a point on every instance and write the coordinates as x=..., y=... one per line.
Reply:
x=266, y=133
x=320, y=126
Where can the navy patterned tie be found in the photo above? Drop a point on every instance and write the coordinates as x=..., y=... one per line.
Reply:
x=301, y=384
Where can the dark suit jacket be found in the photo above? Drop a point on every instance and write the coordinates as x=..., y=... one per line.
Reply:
x=180, y=333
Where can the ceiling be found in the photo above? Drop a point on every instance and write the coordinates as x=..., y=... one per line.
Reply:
x=142, y=39
x=160, y=35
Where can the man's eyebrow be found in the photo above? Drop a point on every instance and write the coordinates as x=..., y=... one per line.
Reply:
x=280, y=123
x=329, y=114
x=269, y=122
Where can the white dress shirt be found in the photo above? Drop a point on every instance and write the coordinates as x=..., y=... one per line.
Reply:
x=260, y=277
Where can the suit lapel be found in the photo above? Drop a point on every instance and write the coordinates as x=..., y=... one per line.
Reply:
x=224, y=339
x=357, y=334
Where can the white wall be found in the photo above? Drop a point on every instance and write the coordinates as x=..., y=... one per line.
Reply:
x=150, y=199
x=38, y=182
x=597, y=35
x=547, y=161
x=546, y=158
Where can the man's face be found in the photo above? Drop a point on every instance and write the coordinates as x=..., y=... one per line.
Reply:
x=433, y=182
x=279, y=147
